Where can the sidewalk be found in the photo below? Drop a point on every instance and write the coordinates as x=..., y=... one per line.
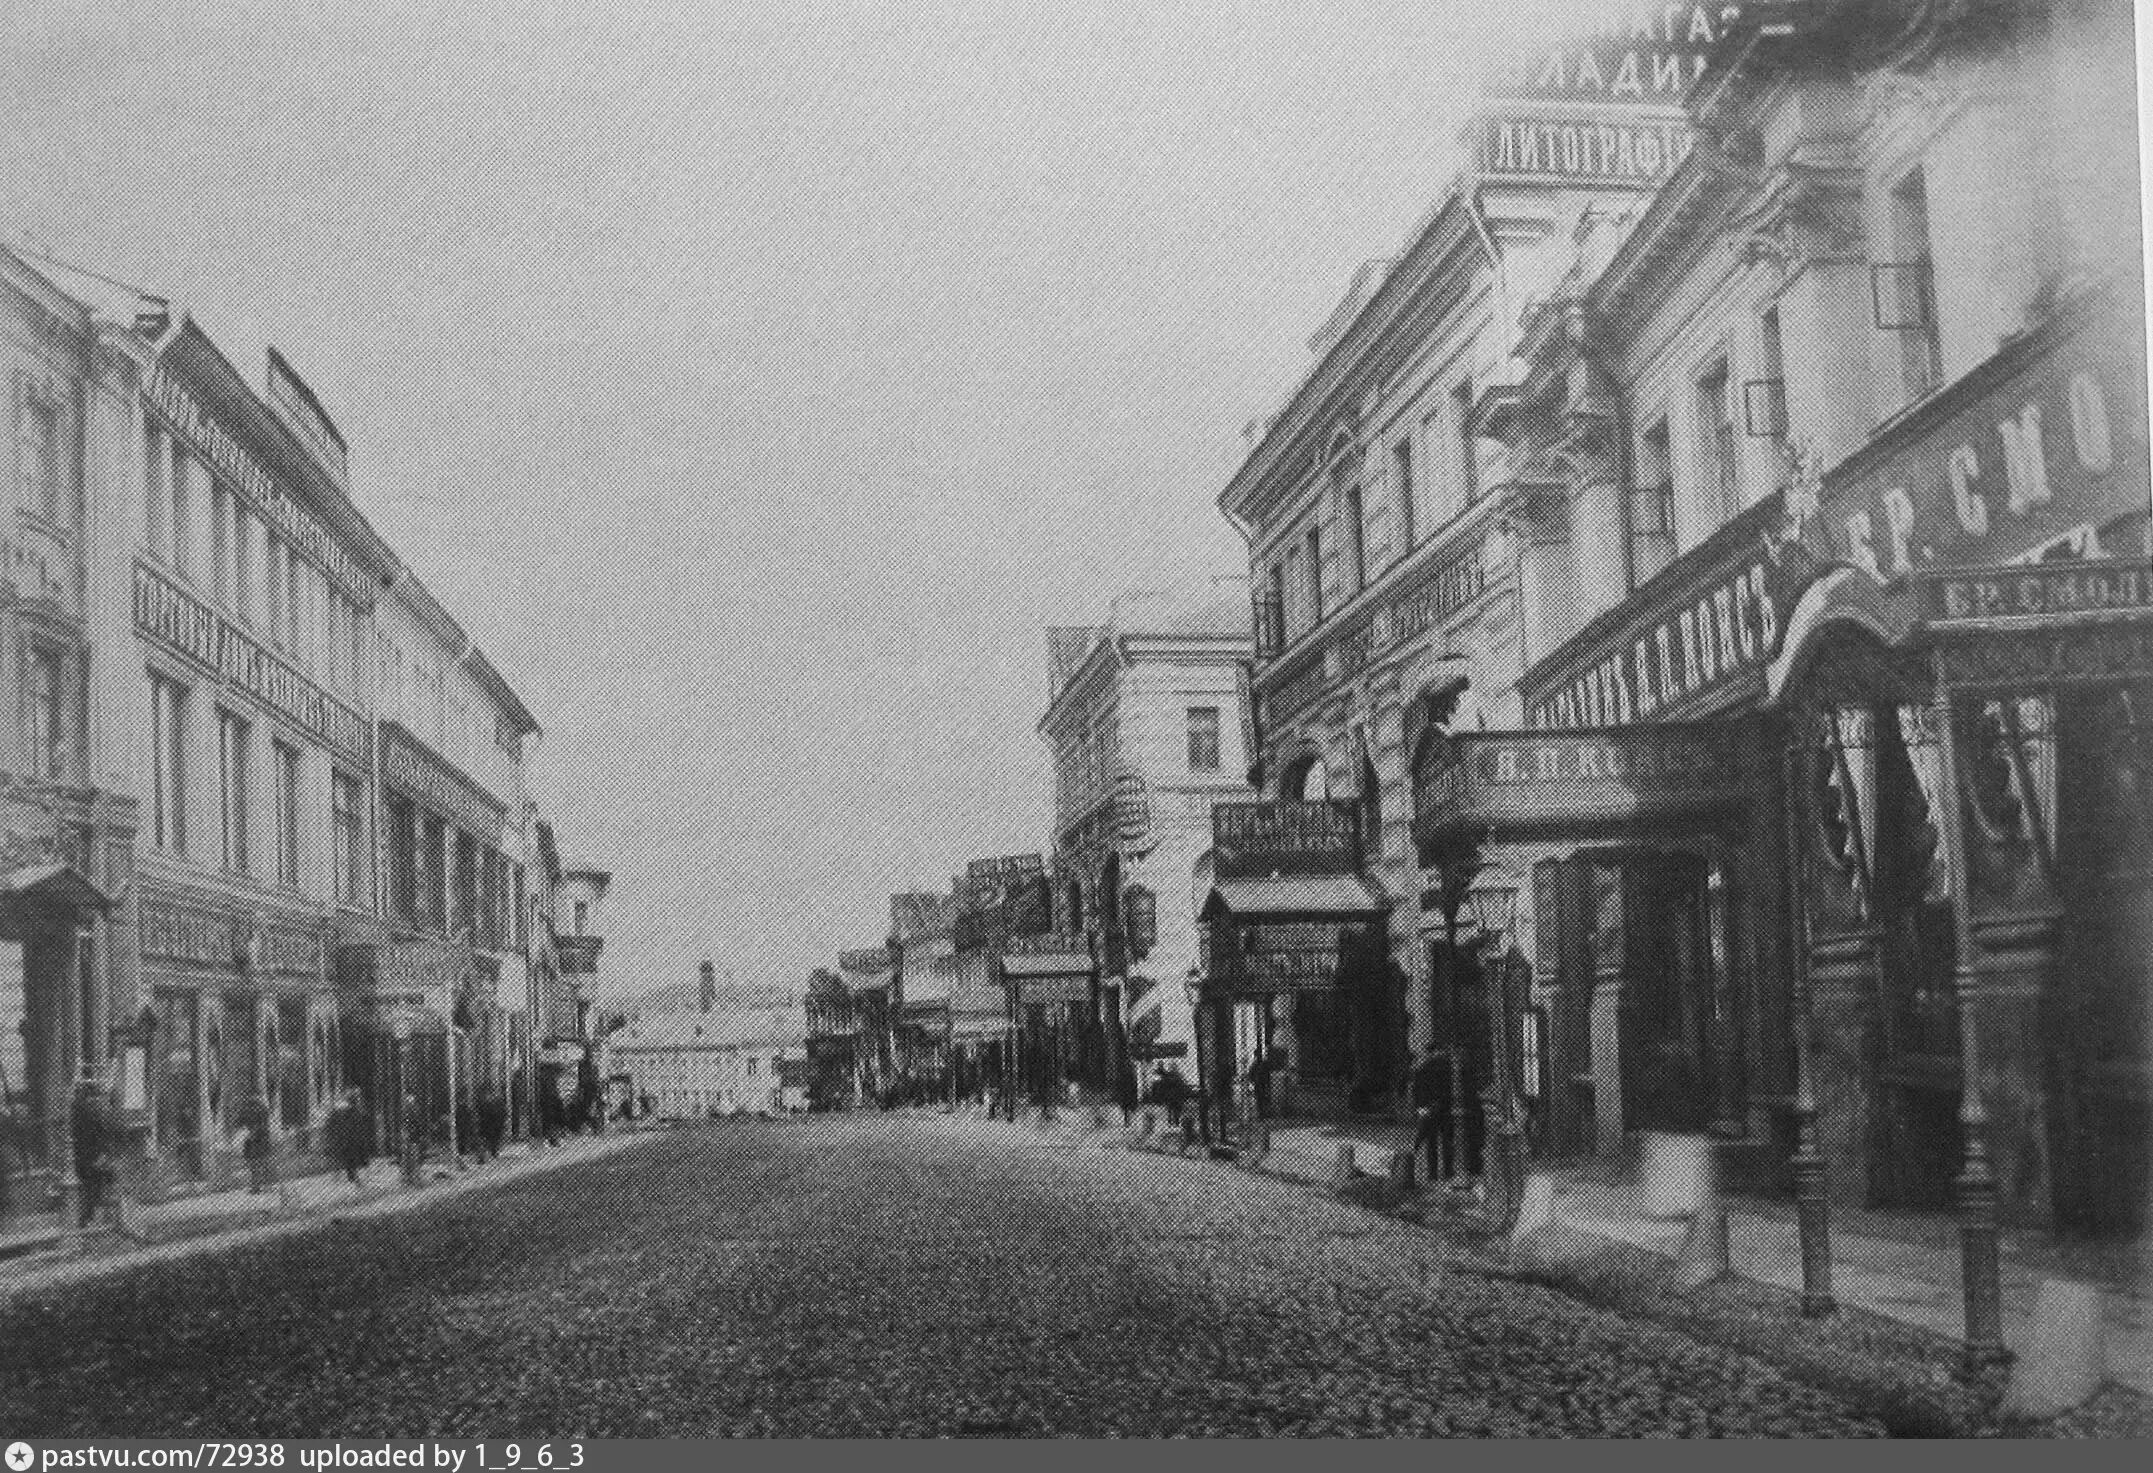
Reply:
x=1898, y=1277
x=214, y=1220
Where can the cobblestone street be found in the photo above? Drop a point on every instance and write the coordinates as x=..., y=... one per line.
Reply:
x=863, y=1275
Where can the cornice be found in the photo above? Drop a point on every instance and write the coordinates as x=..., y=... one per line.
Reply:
x=1298, y=435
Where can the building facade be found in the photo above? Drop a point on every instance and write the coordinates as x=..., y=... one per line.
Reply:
x=692, y=1066
x=1400, y=556
x=67, y=817
x=1145, y=728
x=197, y=622
x=1830, y=802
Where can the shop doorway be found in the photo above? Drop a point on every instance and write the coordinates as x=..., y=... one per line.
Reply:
x=1667, y=990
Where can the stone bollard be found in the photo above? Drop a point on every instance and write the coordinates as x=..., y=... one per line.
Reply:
x=1402, y=1173
x=2065, y=1357
x=1346, y=1169
x=1705, y=1254
x=1148, y=1126
x=1258, y=1148
x=1537, y=1210
x=1675, y=1177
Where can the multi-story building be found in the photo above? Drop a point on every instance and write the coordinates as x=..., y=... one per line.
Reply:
x=452, y=823
x=197, y=617
x=566, y=1036
x=67, y=813
x=694, y=1065
x=869, y=975
x=1146, y=729
x=1841, y=747
x=922, y=945
x=1392, y=545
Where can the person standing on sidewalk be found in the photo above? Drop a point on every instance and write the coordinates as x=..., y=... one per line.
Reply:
x=414, y=1142
x=492, y=1122
x=348, y=1135
x=1431, y=1102
x=96, y=1139
x=255, y=1144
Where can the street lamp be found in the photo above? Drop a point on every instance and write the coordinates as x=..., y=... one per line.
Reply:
x=1193, y=985
x=1494, y=909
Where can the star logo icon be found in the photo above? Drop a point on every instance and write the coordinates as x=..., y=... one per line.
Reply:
x=20, y=1456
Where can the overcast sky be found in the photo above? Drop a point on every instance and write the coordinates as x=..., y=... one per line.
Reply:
x=757, y=381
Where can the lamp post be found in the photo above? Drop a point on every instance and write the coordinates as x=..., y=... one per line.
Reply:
x=1494, y=907
x=1193, y=985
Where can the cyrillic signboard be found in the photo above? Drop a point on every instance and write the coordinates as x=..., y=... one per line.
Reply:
x=868, y=959
x=578, y=954
x=1520, y=783
x=1553, y=148
x=182, y=623
x=1627, y=55
x=408, y=765
x=1254, y=840
x=1973, y=599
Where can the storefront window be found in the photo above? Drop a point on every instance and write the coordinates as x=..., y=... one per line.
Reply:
x=179, y=1084
x=295, y=1089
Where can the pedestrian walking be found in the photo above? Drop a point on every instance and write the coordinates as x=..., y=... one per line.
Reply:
x=492, y=1122
x=349, y=1136
x=1125, y=1092
x=96, y=1142
x=255, y=1143
x=1431, y=1104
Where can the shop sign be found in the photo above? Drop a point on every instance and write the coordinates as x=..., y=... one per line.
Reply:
x=2048, y=593
x=1430, y=600
x=1132, y=809
x=1601, y=150
x=176, y=619
x=1637, y=55
x=1521, y=782
x=2041, y=659
x=1048, y=943
x=1061, y=988
x=244, y=475
x=2042, y=447
x=1140, y=912
x=189, y=937
x=989, y=882
x=578, y=954
x=1283, y=837
x=1729, y=630
x=411, y=767
x=868, y=959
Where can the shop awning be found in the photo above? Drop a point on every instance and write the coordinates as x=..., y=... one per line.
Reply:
x=1297, y=895
x=1598, y=782
x=53, y=883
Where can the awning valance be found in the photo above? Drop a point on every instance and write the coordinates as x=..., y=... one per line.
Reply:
x=1299, y=895
x=54, y=882
x=1047, y=964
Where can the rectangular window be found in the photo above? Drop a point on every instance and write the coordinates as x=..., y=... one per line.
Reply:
x=287, y=797
x=1203, y=739
x=1296, y=618
x=1468, y=447
x=1271, y=623
x=1718, y=450
x=220, y=543
x=403, y=859
x=1401, y=457
x=45, y=706
x=466, y=887
x=583, y=916
x=41, y=459
x=243, y=598
x=1652, y=506
x=155, y=494
x=273, y=555
x=168, y=767
x=233, y=735
x=347, y=816
x=182, y=528
x=1914, y=285
x=1356, y=538
x=434, y=845
x=1315, y=576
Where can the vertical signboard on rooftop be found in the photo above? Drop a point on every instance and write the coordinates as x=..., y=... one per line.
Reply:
x=1602, y=104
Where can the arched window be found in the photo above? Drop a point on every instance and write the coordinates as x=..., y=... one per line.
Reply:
x=1305, y=778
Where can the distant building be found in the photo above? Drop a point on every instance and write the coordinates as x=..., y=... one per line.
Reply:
x=695, y=1065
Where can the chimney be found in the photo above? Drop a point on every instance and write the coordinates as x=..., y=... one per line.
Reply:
x=708, y=993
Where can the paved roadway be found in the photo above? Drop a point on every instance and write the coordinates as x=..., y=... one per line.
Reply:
x=864, y=1276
